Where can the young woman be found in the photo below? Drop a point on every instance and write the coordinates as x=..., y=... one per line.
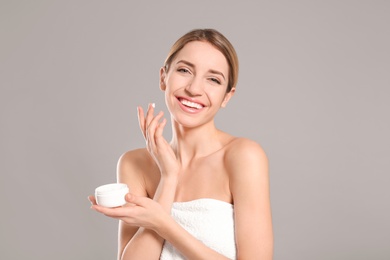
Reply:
x=205, y=194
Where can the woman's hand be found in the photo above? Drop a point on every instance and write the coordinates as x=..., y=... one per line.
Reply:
x=158, y=147
x=139, y=212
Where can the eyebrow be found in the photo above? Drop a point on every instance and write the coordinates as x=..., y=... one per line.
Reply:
x=193, y=66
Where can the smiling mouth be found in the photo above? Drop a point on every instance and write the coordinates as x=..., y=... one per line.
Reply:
x=190, y=104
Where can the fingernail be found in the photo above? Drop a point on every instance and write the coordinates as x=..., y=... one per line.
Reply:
x=153, y=105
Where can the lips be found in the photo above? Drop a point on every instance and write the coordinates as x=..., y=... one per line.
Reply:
x=190, y=104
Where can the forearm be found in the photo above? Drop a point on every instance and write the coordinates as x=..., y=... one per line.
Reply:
x=165, y=193
x=147, y=244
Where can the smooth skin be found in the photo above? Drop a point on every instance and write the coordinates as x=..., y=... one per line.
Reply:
x=200, y=162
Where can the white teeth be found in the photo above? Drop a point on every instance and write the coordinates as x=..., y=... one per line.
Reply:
x=190, y=104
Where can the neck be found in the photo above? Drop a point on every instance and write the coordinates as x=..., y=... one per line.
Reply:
x=190, y=143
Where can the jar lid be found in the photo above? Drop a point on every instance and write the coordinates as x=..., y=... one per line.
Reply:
x=110, y=188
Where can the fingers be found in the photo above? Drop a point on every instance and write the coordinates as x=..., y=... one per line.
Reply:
x=152, y=127
x=118, y=212
x=159, y=139
x=141, y=120
x=145, y=121
x=133, y=206
x=149, y=114
x=160, y=127
x=92, y=199
x=137, y=200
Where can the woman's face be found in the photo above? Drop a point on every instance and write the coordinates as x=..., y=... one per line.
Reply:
x=195, y=85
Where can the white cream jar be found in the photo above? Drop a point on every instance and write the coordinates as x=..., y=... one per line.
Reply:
x=111, y=195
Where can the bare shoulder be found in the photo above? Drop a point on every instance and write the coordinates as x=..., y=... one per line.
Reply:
x=243, y=150
x=247, y=166
x=132, y=168
x=134, y=160
x=245, y=160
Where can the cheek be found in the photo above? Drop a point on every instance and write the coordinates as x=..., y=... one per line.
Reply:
x=177, y=81
x=217, y=97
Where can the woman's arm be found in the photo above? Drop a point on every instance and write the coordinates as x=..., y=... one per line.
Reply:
x=135, y=242
x=145, y=243
x=186, y=243
x=151, y=217
x=247, y=165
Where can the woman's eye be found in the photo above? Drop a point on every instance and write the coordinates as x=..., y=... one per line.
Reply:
x=216, y=81
x=183, y=70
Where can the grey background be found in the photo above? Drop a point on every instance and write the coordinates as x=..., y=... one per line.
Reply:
x=313, y=91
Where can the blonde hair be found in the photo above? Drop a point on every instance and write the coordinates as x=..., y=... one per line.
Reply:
x=216, y=39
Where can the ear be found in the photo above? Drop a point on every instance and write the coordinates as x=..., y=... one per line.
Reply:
x=162, y=78
x=227, y=97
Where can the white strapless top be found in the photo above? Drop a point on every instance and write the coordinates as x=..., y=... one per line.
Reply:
x=210, y=221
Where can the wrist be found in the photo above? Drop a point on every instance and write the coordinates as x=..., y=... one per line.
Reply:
x=169, y=180
x=165, y=193
x=163, y=225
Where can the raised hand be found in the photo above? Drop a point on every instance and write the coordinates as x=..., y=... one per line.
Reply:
x=152, y=129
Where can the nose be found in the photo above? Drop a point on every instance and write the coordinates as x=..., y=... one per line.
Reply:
x=195, y=87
